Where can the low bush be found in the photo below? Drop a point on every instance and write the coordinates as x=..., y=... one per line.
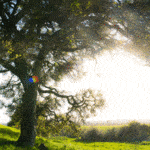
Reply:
x=131, y=133
x=144, y=132
x=110, y=135
x=69, y=132
x=92, y=135
x=122, y=132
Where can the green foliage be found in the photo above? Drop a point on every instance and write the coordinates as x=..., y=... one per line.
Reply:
x=144, y=131
x=14, y=124
x=131, y=133
x=110, y=135
x=121, y=134
x=59, y=126
x=70, y=131
x=91, y=135
x=127, y=2
x=41, y=130
x=75, y=7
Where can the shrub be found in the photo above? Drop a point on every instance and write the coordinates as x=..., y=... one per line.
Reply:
x=41, y=130
x=101, y=136
x=144, y=132
x=91, y=135
x=110, y=135
x=133, y=132
x=82, y=133
x=121, y=133
x=67, y=131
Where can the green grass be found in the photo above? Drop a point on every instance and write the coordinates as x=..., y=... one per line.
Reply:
x=9, y=135
x=102, y=128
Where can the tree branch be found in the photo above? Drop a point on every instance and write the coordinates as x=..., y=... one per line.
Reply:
x=8, y=84
x=15, y=7
x=8, y=66
x=51, y=91
x=69, y=98
x=2, y=71
x=22, y=13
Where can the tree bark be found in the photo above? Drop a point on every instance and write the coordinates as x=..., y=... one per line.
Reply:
x=28, y=117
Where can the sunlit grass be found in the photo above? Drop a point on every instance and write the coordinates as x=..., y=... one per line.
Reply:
x=9, y=135
x=102, y=128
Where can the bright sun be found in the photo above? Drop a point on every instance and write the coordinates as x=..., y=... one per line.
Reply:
x=123, y=80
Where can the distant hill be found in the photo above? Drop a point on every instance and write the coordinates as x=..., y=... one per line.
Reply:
x=115, y=122
x=109, y=122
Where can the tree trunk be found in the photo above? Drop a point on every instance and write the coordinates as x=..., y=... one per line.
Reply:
x=28, y=117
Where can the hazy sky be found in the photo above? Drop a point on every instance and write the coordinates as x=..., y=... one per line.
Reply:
x=124, y=82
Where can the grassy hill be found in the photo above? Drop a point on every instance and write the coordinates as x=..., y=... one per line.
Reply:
x=9, y=135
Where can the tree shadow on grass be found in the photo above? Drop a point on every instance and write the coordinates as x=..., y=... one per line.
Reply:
x=4, y=141
x=7, y=142
x=145, y=143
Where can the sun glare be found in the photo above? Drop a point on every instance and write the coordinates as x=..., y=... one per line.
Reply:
x=123, y=80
